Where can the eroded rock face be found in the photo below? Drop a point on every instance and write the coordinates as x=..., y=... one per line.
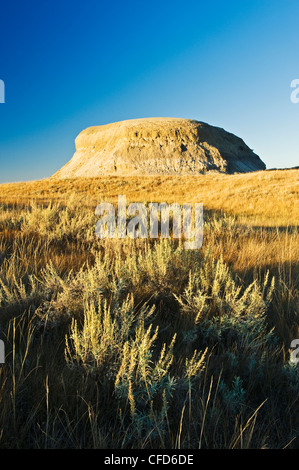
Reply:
x=158, y=146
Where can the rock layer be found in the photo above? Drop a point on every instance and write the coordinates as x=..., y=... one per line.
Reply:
x=158, y=146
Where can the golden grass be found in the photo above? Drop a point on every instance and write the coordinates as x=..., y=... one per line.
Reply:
x=265, y=202
x=142, y=344
x=270, y=197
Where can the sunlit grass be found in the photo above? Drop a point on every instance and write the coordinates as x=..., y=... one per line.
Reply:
x=141, y=343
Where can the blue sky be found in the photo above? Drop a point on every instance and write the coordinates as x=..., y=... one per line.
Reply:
x=68, y=65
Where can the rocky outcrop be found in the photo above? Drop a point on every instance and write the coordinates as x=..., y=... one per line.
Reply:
x=158, y=146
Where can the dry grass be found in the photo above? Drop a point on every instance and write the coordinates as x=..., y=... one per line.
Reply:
x=267, y=196
x=136, y=343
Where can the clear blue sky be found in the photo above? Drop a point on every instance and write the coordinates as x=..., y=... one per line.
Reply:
x=68, y=65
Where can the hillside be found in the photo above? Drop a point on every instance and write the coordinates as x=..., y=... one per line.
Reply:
x=272, y=195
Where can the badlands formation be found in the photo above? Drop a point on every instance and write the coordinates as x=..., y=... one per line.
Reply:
x=156, y=146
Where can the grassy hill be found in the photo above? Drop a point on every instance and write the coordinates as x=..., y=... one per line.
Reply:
x=141, y=343
x=271, y=195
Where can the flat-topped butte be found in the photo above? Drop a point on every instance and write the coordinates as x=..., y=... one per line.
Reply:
x=157, y=146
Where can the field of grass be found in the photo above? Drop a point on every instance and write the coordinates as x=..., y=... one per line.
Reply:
x=268, y=196
x=141, y=343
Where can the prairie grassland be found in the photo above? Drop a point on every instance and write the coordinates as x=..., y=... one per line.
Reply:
x=267, y=196
x=141, y=343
